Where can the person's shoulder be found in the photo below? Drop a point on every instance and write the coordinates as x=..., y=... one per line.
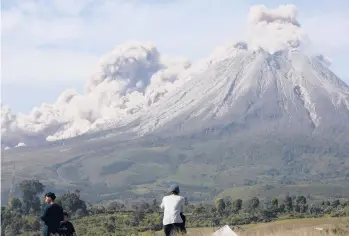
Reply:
x=57, y=206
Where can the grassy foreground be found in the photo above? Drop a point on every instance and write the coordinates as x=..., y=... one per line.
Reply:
x=297, y=227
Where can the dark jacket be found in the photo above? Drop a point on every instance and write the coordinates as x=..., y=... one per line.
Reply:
x=52, y=215
x=67, y=229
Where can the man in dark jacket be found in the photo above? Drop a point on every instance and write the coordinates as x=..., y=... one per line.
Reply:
x=52, y=215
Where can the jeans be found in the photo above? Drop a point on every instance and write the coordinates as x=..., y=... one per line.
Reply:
x=174, y=228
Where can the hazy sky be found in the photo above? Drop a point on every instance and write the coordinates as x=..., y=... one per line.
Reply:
x=51, y=45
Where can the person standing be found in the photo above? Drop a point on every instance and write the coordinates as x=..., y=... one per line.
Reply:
x=52, y=215
x=67, y=228
x=173, y=206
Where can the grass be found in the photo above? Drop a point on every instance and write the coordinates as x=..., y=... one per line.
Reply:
x=298, y=227
x=330, y=226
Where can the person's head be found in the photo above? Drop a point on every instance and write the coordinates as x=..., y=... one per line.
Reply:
x=50, y=197
x=66, y=216
x=174, y=189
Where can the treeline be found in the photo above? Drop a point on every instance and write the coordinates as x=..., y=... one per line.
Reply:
x=117, y=218
x=22, y=215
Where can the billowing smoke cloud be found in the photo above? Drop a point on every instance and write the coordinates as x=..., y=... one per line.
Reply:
x=134, y=76
x=8, y=126
x=129, y=79
x=274, y=29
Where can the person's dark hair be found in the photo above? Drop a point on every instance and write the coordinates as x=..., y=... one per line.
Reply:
x=65, y=214
x=50, y=195
x=174, y=189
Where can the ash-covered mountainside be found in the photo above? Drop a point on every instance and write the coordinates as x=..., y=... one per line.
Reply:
x=286, y=91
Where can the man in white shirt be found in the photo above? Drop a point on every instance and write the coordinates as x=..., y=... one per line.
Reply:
x=173, y=206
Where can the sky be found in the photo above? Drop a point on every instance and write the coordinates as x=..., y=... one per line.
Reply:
x=50, y=45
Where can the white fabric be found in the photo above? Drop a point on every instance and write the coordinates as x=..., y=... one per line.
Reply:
x=173, y=205
x=225, y=231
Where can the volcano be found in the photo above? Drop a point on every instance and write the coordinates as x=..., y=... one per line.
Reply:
x=286, y=91
x=265, y=111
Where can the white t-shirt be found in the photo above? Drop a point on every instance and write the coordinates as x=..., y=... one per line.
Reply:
x=173, y=205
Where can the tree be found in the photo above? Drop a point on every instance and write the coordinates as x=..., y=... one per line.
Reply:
x=268, y=214
x=6, y=216
x=301, y=204
x=155, y=205
x=288, y=204
x=144, y=206
x=345, y=204
x=14, y=228
x=296, y=208
x=282, y=207
x=237, y=205
x=71, y=202
x=15, y=224
x=301, y=200
x=26, y=227
x=16, y=204
x=30, y=189
x=274, y=204
x=228, y=205
x=114, y=206
x=316, y=210
x=220, y=205
x=303, y=208
x=253, y=204
x=335, y=203
x=36, y=205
